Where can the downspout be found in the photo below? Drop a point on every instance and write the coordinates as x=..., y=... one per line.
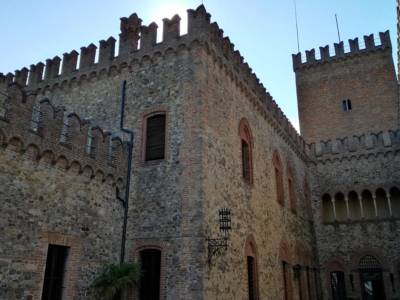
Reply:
x=125, y=200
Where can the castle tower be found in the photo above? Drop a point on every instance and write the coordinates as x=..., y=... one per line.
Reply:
x=349, y=92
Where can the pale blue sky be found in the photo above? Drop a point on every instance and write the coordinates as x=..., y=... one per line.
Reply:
x=263, y=30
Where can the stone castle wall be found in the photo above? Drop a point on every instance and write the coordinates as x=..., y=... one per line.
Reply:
x=205, y=89
x=341, y=243
x=256, y=214
x=53, y=192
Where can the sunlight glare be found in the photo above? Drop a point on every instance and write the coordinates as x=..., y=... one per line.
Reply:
x=168, y=10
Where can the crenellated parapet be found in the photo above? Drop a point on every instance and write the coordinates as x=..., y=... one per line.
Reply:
x=133, y=33
x=355, y=146
x=354, y=49
x=44, y=132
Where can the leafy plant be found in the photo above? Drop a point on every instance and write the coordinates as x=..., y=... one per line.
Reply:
x=115, y=279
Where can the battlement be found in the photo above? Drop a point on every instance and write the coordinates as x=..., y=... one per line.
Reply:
x=67, y=141
x=341, y=52
x=370, y=143
x=200, y=31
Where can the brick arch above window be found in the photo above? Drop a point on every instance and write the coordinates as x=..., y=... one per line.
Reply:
x=247, y=145
x=278, y=171
x=154, y=135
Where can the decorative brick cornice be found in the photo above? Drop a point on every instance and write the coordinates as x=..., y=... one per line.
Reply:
x=103, y=156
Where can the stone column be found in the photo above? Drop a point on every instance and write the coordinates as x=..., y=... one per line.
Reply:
x=389, y=203
x=346, y=199
x=375, y=206
x=334, y=208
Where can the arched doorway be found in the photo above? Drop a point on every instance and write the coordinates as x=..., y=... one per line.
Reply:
x=371, y=279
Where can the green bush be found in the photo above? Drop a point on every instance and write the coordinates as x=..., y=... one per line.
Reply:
x=115, y=279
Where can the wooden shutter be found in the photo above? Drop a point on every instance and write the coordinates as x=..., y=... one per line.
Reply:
x=246, y=160
x=155, y=138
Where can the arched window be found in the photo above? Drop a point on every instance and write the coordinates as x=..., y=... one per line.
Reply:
x=252, y=274
x=292, y=190
x=354, y=206
x=340, y=206
x=395, y=201
x=368, y=205
x=150, y=265
x=155, y=137
x=382, y=204
x=278, y=170
x=327, y=209
x=247, y=150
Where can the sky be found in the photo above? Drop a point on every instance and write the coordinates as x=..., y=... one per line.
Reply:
x=264, y=31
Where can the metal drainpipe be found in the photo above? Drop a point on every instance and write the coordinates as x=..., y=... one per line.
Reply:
x=125, y=200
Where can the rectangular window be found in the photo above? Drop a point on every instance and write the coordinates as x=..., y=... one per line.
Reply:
x=155, y=138
x=246, y=160
x=54, y=272
x=250, y=278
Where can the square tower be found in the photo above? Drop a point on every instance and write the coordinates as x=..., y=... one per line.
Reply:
x=348, y=93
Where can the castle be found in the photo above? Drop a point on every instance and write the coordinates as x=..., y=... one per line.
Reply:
x=174, y=155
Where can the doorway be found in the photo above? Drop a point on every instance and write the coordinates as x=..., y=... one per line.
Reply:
x=371, y=278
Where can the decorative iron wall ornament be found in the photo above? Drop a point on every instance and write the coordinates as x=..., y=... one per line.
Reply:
x=217, y=245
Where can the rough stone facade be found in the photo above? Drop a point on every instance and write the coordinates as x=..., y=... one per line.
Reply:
x=59, y=173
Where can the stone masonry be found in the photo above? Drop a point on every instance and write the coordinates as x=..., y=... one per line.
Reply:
x=60, y=166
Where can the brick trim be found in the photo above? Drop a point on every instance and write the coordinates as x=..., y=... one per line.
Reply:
x=143, y=130
x=250, y=249
x=134, y=294
x=71, y=269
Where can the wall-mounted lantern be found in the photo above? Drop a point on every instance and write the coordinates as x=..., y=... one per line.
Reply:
x=217, y=245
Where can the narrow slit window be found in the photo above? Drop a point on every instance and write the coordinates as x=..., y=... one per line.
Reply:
x=346, y=105
x=155, y=138
x=53, y=285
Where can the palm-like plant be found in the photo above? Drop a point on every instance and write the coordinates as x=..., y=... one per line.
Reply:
x=116, y=278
